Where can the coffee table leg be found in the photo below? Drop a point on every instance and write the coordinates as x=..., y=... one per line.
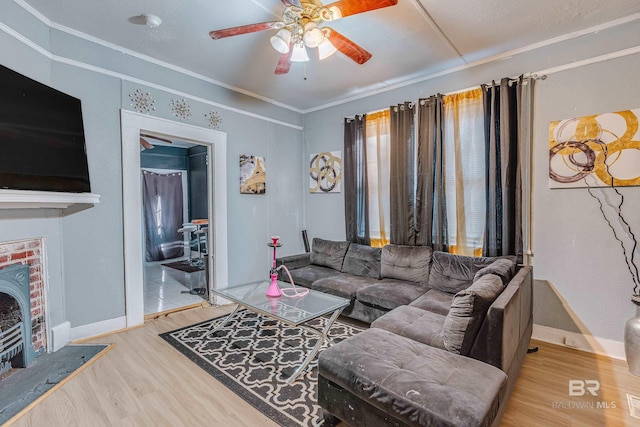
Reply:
x=316, y=348
x=223, y=322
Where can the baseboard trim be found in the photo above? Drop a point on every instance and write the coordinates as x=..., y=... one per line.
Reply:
x=60, y=335
x=588, y=343
x=98, y=328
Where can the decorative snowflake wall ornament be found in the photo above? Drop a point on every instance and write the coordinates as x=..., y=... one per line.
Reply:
x=142, y=102
x=213, y=118
x=181, y=109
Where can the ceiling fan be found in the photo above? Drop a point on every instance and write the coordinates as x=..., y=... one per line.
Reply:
x=300, y=28
x=144, y=140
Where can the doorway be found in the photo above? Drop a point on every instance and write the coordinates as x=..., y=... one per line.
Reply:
x=175, y=223
x=133, y=124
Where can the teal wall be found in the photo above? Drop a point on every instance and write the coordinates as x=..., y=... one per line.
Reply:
x=161, y=157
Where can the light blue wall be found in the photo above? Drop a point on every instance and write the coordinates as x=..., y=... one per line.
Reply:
x=85, y=248
x=578, y=266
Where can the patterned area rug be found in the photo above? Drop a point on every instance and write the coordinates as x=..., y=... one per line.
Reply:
x=254, y=355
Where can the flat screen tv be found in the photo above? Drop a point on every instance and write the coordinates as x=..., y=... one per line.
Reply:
x=42, y=145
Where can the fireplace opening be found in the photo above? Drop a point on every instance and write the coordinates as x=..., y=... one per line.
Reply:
x=11, y=340
x=16, y=349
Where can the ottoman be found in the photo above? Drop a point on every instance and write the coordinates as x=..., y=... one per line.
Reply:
x=383, y=379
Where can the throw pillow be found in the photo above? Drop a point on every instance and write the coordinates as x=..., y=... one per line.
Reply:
x=452, y=273
x=328, y=253
x=504, y=268
x=467, y=312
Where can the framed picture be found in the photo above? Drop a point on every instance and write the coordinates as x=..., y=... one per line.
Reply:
x=595, y=151
x=253, y=175
x=325, y=172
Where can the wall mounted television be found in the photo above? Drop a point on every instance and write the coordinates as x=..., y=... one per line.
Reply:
x=42, y=144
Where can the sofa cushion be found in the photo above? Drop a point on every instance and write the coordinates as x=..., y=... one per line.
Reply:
x=389, y=293
x=415, y=384
x=362, y=260
x=467, y=311
x=410, y=263
x=435, y=301
x=305, y=276
x=452, y=273
x=327, y=253
x=411, y=322
x=504, y=268
x=343, y=285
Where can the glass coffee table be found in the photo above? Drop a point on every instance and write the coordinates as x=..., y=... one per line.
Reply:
x=291, y=311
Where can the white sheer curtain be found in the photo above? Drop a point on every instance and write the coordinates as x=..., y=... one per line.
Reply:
x=465, y=171
x=378, y=173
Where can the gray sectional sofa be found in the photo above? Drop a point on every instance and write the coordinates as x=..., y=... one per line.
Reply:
x=447, y=339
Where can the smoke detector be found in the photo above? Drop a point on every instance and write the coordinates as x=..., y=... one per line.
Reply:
x=151, y=21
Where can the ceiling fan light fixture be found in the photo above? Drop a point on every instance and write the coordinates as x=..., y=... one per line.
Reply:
x=326, y=49
x=335, y=12
x=299, y=53
x=313, y=35
x=330, y=13
x=281, y=40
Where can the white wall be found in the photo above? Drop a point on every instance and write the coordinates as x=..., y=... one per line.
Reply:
x=574, y=249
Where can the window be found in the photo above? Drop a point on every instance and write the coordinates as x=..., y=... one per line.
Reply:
x=465, y=171
x=378, y=165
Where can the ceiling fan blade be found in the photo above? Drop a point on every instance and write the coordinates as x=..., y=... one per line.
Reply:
x=284, y=63
x=348, y=47
x=353, y=7
x=146, y=144
x=245, y=29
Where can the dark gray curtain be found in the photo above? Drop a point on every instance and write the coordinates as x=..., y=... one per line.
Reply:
x=502, y=111
x=356, y=200
x=431, y=209
x=402, y=171
x=162, y=204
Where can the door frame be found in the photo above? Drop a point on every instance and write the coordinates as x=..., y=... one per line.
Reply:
x=132, y=124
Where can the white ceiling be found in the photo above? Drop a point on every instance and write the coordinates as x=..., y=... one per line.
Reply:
x=412, y=39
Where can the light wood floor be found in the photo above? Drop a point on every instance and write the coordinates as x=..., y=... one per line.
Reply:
x=145, y=382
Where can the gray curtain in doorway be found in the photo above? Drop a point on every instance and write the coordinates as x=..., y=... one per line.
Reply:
x=507, y=112
x=356, y=198
x=163, y=215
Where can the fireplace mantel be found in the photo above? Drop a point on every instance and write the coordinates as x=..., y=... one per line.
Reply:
x=23, y=199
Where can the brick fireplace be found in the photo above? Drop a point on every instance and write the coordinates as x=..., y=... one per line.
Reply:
x=30, y=252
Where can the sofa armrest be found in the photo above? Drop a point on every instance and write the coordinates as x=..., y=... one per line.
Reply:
x=294, y=261
x=506, y=323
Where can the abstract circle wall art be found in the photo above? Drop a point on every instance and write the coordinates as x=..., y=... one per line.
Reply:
x=595, y=151
x=325, y=172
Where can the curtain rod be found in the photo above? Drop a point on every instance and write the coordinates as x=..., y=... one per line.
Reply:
x=511, y=80
x=534, y=76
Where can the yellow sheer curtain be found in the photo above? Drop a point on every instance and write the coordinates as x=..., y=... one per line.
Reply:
x=465, y=171
x=378, y=171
